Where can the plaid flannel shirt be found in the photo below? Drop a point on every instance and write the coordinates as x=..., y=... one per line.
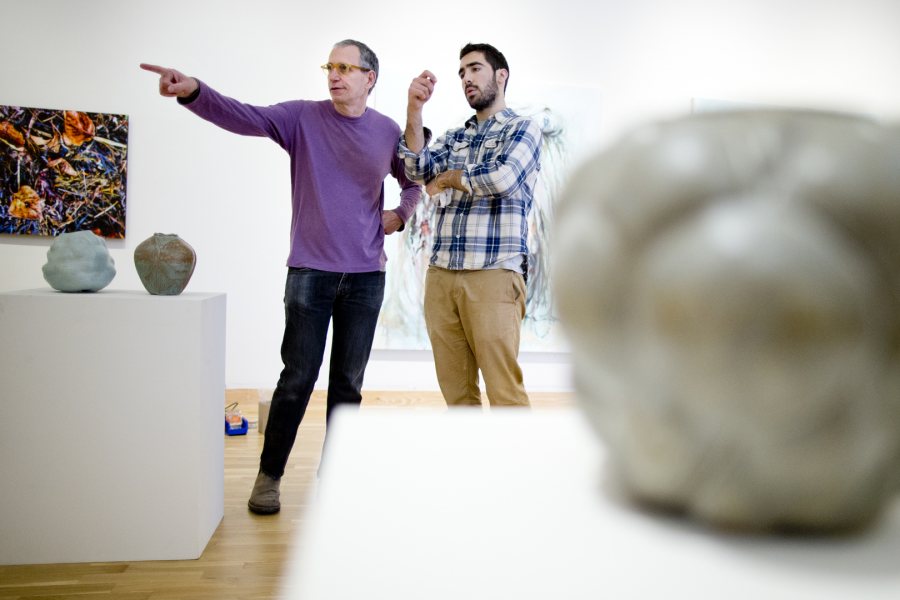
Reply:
x=500, y=160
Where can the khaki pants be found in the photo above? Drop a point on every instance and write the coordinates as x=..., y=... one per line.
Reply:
x=474, y=320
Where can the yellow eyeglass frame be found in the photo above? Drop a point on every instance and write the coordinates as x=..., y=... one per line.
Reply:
x=342, y=68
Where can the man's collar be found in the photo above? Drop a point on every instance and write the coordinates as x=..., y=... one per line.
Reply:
x=501, y=117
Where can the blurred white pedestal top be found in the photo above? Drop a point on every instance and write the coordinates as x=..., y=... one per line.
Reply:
x=462, y=505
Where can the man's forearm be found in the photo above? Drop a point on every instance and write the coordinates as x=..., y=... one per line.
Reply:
x=414, y=135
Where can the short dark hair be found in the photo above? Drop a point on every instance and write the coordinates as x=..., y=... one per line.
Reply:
x=366, y=57
x=493, y=56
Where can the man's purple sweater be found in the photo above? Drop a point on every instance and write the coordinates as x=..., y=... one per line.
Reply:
x=338, y=166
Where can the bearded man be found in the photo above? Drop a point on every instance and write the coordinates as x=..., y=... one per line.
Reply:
x=483, y=176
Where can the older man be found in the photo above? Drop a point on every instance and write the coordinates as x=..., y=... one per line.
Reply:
x=341, y=151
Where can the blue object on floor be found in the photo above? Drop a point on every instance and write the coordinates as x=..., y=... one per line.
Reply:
x=230, y=430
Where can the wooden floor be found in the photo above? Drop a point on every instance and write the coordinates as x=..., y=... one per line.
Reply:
x=245, y=557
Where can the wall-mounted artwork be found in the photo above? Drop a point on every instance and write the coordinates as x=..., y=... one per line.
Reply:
x=62, y=171
x=567, y=116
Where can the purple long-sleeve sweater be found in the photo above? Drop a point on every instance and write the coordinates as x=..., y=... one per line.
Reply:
x=338, y=166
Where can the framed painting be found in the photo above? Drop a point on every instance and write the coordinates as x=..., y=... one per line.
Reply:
x=569, y=118
x=62, y=171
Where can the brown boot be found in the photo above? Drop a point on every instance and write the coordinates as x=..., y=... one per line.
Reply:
x=264, y=499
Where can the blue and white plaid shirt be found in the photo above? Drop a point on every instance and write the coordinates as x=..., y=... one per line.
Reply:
x=500, y=160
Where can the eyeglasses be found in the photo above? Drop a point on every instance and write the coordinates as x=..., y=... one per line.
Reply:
x=342, y=68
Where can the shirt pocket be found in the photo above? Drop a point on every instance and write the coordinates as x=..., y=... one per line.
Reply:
x=459, y=154
x=490, y=147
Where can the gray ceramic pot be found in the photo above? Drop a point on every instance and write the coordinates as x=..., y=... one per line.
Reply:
x=165, y=263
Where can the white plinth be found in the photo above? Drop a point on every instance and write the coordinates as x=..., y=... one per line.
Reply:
x=111, y=447
x=510, y=505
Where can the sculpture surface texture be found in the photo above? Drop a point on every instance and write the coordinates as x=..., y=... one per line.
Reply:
x=79, y=262
x=730, y=286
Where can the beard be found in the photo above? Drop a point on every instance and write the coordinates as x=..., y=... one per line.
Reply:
x=485, y=98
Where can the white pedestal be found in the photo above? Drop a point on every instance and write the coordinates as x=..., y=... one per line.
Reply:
x=111, y=447
x=511, y=505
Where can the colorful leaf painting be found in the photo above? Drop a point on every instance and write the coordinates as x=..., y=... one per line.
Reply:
x=62, y=171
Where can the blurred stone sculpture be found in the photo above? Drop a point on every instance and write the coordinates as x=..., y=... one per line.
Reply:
x=79, y=262
x=165, y=263
x=730, y=285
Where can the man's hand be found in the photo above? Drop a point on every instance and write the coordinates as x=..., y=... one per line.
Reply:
x=420, y=90
x=391, y=221
x=173, y=83
x=447, y=179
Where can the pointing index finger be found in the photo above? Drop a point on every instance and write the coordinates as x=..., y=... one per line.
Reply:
x=154, y=68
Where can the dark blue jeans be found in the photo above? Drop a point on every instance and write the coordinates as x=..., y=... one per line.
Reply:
x=312, y=299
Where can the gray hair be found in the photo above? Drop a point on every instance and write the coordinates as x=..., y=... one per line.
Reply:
x=366, y=57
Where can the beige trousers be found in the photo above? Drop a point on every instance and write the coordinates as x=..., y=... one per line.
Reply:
x=474, y=320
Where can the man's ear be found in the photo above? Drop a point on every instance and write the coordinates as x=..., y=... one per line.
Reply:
x=372, y=79
x=502, y=76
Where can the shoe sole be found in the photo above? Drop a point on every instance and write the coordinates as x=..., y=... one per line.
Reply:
x=263, y=510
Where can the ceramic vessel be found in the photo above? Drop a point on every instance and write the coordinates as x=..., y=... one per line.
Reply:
x=79, y=262
x=730, y=286
x=165, y=263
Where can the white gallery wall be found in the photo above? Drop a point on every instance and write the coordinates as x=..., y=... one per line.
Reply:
x=229, y=196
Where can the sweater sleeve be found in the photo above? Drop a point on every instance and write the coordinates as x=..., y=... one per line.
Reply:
x=410, y=191
x=238, y=117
